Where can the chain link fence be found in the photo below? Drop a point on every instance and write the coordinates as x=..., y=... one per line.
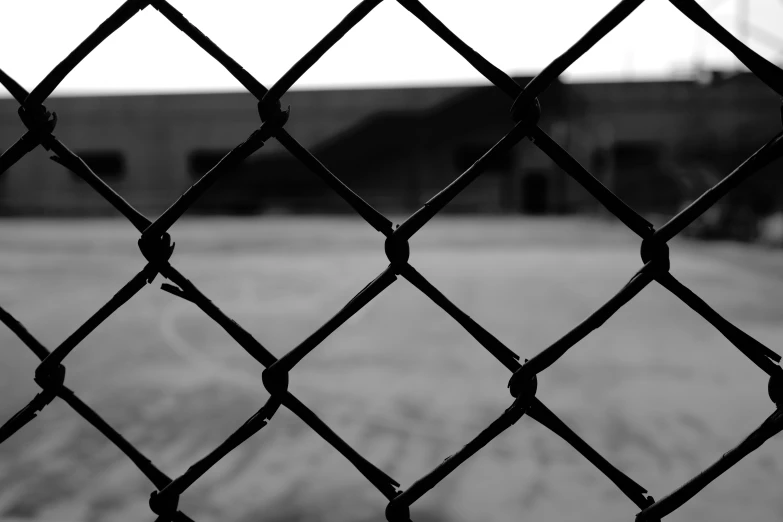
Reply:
x=156, y=246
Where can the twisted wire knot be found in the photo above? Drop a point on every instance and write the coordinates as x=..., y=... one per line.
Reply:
x=523, y=385
x=273, y=118
x=50, y=380
x=39, y=121
x=157, y=251
x=397, y=250
x=164, y=505
x=526, y=111
x=275, y=380
x=657, y=251
x=271, y=110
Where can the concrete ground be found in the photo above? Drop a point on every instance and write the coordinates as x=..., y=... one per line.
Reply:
x=656, y=390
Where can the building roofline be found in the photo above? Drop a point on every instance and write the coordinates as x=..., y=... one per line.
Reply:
x=721, y=74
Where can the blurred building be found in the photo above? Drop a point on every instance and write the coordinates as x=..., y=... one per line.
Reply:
x=656, y=144
x=659, y=145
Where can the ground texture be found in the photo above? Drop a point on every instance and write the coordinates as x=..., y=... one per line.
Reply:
x=656, y=390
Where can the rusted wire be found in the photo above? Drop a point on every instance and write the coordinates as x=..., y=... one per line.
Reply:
x=156, y=246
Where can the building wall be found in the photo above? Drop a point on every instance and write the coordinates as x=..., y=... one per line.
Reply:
x=694, y=127
x=156, y=135
x=412, y=142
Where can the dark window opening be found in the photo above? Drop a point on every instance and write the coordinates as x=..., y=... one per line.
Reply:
x=259, y=183
x=467, y=155
x=235, y=191
x=106, y=164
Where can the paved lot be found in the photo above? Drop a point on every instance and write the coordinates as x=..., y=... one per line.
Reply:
x=656, y=389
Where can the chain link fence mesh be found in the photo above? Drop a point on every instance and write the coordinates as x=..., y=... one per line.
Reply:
x=156, y=246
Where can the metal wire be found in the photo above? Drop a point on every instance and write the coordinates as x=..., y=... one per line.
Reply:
x=157, y=247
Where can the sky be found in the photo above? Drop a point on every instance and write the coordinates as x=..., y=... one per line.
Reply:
x=388, y=47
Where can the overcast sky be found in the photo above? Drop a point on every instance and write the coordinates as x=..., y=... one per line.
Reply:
x=389, y=47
